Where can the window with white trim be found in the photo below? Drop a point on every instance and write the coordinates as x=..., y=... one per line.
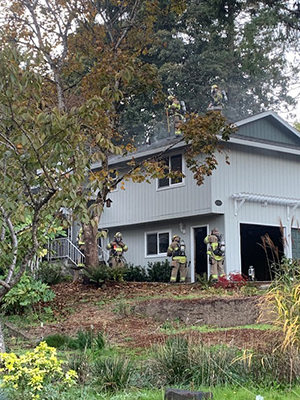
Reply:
x=157, y=243
x=174, y=163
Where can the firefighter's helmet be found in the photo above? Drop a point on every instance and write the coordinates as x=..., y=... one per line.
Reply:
x=215, y=232
x=118, y=235
x=175, y=236
x=171, y=97
x=214, y=87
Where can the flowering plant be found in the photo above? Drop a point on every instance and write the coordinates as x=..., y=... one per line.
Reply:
x=29, y=372
x=231, y=281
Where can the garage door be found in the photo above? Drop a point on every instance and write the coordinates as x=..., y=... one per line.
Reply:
x=254, y=253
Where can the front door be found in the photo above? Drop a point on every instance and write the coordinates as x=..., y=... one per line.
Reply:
x=200, y=251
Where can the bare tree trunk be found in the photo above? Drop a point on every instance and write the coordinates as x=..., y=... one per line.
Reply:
x=2, y=343
x=90, y=233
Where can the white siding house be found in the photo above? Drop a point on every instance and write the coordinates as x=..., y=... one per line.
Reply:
x=258, y=193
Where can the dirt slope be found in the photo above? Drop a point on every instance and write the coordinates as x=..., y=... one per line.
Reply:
x=115, y=309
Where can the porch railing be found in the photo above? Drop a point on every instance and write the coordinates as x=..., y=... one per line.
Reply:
x=64, y=249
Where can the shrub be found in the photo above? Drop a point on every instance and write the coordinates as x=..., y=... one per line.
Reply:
x=88, y=339
x=156, y=272
x=284, y=301
x=114, y=373
x=81, y=364
x=159, y=271
x=213, y=366
x=3, y=395
x=287, y=272
x=29, y=373
x=50, y=273
x=123, y=309
x=101, y=273
x=99, y=341
x=84, y=339
x=117, y=274
x=172, y=361
x=278, y=368
x=97, y=274
x=177, y=362
x=135, y=273
x=58, y=341
x=25, y=295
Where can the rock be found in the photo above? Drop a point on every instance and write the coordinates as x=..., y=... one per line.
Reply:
x=177, y=394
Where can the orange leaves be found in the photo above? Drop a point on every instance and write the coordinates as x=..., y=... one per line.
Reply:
x=203, y=136
x=130, y=148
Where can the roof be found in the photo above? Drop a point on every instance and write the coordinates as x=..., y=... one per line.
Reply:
x=265, y=130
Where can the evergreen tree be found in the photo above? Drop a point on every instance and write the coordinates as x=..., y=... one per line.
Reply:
x=239, y=45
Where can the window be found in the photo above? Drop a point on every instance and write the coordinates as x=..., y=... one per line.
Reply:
x=157, y=243
x=174, y=163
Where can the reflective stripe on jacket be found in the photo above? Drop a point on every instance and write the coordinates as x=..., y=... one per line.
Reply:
x=116, y=247
x=181, y=259
x=212, y=246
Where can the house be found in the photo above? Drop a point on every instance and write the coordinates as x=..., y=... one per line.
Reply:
x=256, y=195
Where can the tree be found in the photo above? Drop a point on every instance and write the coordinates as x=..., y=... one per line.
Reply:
x=41, y=152
x=239, y=45
x=97, y=67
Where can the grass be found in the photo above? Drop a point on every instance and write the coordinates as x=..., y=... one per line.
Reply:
x=30, y=318
x=91, y=394
x=117, y=373
x=219, y=393
x=100, y=303
x=172, y=327
x=223, y=393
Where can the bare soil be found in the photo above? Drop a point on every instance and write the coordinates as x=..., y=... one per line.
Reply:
x=137, y=315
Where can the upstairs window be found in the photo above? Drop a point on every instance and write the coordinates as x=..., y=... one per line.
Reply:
x=174, y=163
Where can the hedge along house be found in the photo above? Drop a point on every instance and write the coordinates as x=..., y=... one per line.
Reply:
x=257, y=194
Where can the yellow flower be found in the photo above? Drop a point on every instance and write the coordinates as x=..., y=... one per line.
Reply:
x=32, y=369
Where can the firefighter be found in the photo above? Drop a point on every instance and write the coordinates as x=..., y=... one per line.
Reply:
x=175, y=109
x=216, y=252
x=176, y=250
x=219, y=97
x=81, y=247
x=117, y=247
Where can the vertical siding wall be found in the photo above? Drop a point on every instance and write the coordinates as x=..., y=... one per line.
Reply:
x=134, y=237
x=142, y=208
x=142, y=202
x=268, y=129
x=259, y=172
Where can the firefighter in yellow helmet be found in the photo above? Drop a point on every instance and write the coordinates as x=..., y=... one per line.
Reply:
x=175, y=110
x=176, y=250
x=117, y=247
x=219, y=98
x=216, y=251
